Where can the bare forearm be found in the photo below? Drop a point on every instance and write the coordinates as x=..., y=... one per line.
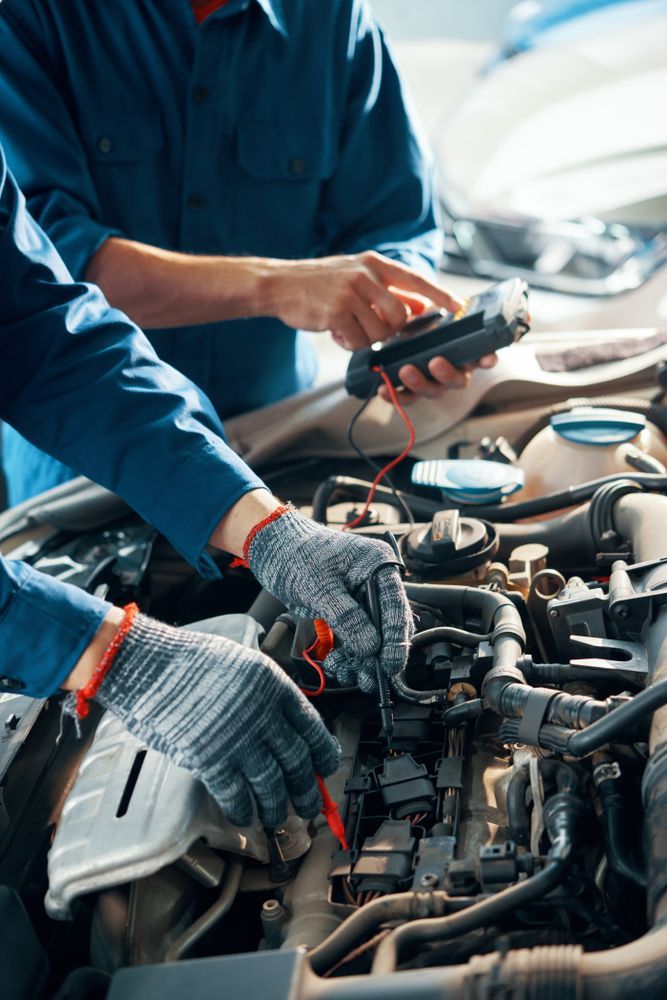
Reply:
x=360, y=298
x=96, y=649
x=162, y=289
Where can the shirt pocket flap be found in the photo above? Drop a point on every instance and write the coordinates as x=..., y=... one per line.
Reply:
x=286, y=150
x=127, y=135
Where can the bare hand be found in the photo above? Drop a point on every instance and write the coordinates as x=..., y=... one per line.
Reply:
x=444, y=376
x=361, y=299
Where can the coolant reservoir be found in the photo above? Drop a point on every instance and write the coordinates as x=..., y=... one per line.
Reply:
x=584, y=444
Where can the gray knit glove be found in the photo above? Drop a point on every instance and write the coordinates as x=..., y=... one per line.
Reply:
x=225, y=712
x=320, y=573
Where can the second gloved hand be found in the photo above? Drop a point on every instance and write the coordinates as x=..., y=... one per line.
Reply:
x=225, y=712
x=320, y=573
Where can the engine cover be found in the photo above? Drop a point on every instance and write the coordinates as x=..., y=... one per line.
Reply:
x=130, y=813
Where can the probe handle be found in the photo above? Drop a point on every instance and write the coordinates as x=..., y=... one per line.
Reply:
x=382, y=679
x=373, y=602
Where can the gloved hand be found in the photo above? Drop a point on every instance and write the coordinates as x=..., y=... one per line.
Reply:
x=225, y=712
x=320, y=573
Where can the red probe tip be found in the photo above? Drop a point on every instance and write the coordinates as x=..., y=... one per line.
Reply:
x=331, y=814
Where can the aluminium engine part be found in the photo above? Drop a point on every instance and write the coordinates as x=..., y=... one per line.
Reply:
x=131, y=811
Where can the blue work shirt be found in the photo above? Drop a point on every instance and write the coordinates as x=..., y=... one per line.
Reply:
x=86, y=385
x=276, y=128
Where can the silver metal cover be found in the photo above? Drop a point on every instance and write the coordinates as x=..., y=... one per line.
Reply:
x=112, y=831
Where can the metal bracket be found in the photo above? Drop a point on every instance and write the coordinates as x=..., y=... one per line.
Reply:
x=630, y=605
x=624, y=658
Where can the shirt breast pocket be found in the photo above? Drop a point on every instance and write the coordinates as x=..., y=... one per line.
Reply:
x=125, y=135
x=282, y=168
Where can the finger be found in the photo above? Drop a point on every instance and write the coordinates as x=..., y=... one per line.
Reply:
x=488, y=361
x=397, y=274
x=367, y=679
x=354, y=631
x=445, y=373
x=338, y=664
x=405, y=397
x=371, y=322
x=352, y=671
x=417, y=304
x=324, y=750
x=233, y=797
x=265, y=777
x=417, y=383
x=390, y=306
x=397, y=621
x=294, y=759
x=348, y=333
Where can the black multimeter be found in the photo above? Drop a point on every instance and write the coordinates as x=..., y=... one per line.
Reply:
x=493, y=319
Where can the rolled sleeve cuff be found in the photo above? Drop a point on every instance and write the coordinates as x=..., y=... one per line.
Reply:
x=202, y=491
x=45, y=627
x=78, y=238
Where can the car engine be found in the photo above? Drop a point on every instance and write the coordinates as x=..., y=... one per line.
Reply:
x=508, y=840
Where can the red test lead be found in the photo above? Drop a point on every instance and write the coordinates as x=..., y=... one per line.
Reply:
x=331, y=814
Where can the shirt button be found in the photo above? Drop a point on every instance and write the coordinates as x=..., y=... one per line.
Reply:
x=297, y=165
x=200, y=94
x=104, y=144
x=195, y=201
x=13, y=683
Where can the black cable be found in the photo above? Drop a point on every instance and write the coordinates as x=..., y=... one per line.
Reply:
x=369, y=461
x=493, y=908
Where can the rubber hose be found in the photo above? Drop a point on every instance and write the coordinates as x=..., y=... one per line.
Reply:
x=571, y=497
x=338, y=488
x=566, y=779
x=491, y=609
x=613, y=825
x=484, y=913
x=445, y=633
x=618, y=722
x=567, y=536
x=368, y=919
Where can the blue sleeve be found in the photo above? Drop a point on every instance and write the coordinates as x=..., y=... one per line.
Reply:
x=82, y=383
x=382, y=196
x=40, y=138
x=45, y=626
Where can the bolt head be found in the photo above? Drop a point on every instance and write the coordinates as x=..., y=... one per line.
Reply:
x=554, y=613
x=428, y=880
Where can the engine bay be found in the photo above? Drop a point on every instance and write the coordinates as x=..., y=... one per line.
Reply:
x=506, y=838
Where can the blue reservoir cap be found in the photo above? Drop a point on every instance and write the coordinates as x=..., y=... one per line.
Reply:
x=471, y=481
x=601, y=427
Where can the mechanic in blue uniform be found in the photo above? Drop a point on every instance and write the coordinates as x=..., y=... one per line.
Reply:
x=228, y=173
x=84, y=384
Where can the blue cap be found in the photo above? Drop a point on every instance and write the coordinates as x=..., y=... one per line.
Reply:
x=601, y=427
x=471, y=481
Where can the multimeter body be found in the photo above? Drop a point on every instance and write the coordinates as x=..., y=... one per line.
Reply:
x=495, y=318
